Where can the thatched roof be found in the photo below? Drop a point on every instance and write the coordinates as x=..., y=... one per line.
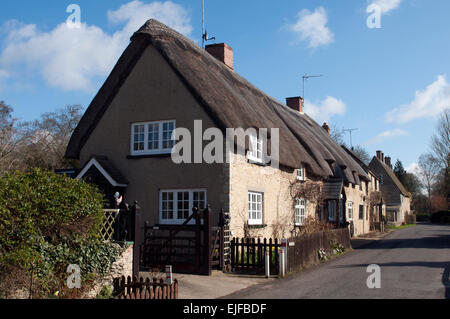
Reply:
x=229, y=99
x=332, y=189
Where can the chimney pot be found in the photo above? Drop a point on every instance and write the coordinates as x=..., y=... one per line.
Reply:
x=388, y=161
x=222, y=52
x=295, y=103
x=326, y=127
x=379, y=155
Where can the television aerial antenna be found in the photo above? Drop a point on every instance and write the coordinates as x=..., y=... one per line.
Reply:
x=204, y=31
x=350, y=130
x=306, y=77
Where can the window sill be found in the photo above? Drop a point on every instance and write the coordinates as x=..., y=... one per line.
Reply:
x=149, y=155
x=257, y=226
x=250, y=161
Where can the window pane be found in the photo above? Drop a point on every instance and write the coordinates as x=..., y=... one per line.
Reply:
x=153, y=136
x=167, y=141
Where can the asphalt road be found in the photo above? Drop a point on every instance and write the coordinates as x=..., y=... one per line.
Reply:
x=414, y=263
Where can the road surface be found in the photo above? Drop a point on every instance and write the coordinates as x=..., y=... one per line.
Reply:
x=414, y=263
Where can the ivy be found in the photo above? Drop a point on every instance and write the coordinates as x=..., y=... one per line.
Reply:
x=48, y=221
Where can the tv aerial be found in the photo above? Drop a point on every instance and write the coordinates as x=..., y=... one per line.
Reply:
x=205, y=37
x=306, y=77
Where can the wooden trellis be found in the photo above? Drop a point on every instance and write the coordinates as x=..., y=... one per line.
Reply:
x=109, y=220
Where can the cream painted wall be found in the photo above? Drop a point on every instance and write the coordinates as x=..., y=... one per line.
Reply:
x=153, y=92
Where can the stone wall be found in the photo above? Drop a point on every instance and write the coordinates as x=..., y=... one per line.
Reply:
x=278, y=203
x=358, y=197
x=123, y=266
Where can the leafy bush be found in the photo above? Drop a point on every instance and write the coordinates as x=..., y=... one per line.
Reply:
x=48, y=221
x=107, y=292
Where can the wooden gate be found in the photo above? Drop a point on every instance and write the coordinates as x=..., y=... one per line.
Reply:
x=189, y=248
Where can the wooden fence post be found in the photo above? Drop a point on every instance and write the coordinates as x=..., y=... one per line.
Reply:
x=136, y=216
x=207, y=240
x=222, y=248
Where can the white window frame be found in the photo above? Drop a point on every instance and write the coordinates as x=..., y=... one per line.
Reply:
x=300, y=211
x=301, y=174
x=175, y=220
x=350, y=210
x=146, y=150
x=332, y=204
x=256, y=149
x=255, y=213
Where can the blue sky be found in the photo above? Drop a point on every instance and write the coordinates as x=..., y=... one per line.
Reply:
x=388, y=82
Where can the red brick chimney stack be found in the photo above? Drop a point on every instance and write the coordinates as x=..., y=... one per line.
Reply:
x=295, y=103
x=326, y=127
x=388, y=161
x=222, y=52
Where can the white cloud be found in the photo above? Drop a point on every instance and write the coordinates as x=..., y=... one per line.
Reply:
x=71, y=58
x=324, y=110
x=312, y=27
x=413, y=168
x=386, y=5
x=429, y=102
x=386, y=135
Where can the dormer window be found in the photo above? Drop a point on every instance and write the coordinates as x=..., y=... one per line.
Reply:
x=301, y=174
x=152, y=138
x=255, y=153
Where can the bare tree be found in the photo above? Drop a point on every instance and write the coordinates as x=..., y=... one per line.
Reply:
x=428, y=173
x=362, y=154
x=46, y=139
x=440, y=142
x=337, y=135
x=440, y=147
x=10, y=139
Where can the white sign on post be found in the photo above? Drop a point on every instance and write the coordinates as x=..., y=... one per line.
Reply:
x=267, y=264
x=284, y=246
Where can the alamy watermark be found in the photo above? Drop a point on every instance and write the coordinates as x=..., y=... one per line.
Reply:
x=374, y=280
x=74, y=19
x=374, y=18
x=74, y=278
x=258, y=142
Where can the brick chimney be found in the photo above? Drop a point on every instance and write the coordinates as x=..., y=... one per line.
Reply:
x=222, y=52
x=326, y=127
x=295, y=103
x=388, y=161
x=382, y=157
x=379, y=155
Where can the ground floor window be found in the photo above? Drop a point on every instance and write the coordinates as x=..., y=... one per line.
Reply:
x=332, y=210
x=175, y=206
x=341, y=211
x=255, y=208
x=350, y=210
x=361, y=212
x=300, y=211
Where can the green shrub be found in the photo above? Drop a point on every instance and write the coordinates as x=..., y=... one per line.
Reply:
x=106, y=293
x=48, y=221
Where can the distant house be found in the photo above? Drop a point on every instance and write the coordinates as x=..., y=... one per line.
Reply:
x=374, y=199
x=165, y=81
x=397, y=198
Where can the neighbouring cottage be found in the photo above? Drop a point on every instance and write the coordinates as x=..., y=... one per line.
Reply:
x=372, y=198
x=397, y=198
x=165, y=81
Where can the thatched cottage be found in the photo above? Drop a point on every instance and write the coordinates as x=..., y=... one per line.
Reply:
x=164, y=81
x=397, y=198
